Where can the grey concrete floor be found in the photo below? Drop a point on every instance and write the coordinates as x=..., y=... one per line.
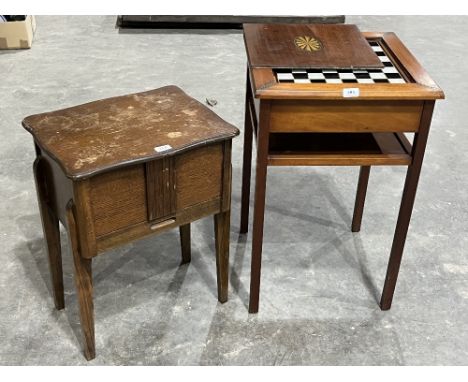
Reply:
x=320, y=282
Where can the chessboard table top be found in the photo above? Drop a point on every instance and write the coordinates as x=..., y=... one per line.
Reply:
x=283, y=73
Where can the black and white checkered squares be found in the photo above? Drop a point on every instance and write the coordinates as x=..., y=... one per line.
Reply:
x=388, y=74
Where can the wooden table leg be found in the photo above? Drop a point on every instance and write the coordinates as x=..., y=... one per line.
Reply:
x=185, y=243
x=360, y=198
x=406, y=207
x=50, y=226
x=222, y=223
x=247, y=163
x=259, y=207
x=84, y=286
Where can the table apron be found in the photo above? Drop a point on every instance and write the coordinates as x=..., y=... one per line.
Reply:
x=344, y=116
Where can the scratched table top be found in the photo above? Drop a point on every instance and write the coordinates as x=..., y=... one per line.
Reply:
x=101, y=135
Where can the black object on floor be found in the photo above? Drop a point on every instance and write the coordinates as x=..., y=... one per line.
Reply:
x=216, y=21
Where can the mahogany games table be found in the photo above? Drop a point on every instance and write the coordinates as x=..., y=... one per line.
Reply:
x=329, y=95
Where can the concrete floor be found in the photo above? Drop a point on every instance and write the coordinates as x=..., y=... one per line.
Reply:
x=320, y=282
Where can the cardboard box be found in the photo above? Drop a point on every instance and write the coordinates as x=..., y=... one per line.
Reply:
x=17, y=34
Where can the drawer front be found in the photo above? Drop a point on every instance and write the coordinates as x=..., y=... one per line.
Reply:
x=118, y=199
x=345, y=116
x=199, y=176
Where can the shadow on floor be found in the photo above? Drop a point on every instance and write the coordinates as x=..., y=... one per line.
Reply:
x=139, y=263
x=332, y=341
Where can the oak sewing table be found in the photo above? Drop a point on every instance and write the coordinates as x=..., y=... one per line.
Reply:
x=329, y=95
x=122, y=168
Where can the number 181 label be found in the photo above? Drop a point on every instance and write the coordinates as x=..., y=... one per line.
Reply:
x=351, y=92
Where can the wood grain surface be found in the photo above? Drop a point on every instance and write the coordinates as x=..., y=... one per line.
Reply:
x=344, y=116
x=199, y=176
x=118, y=199
x=160, y=188
x=114, y=132
x=420, y=86
x=342, y=46
x=342, y=149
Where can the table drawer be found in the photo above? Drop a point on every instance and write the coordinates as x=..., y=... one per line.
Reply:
x=345, y=116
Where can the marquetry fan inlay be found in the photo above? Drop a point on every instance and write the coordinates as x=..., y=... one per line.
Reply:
x=310, y=44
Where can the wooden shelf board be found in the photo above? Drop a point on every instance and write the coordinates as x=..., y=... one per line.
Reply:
x=337, y=149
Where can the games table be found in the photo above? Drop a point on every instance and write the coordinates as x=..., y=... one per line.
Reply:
x=329, y=95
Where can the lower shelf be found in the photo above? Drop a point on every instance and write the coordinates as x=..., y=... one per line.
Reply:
x=338, y=149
